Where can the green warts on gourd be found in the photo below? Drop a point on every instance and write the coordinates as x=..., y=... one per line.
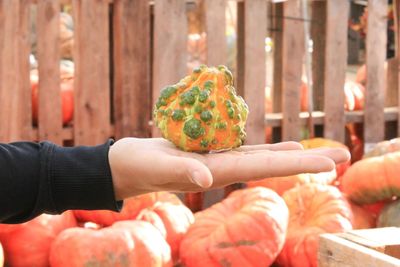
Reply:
x=202, y=111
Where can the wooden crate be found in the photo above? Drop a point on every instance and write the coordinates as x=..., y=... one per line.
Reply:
x=379, y=247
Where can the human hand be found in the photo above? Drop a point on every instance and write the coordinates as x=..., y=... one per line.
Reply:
x=140, y=166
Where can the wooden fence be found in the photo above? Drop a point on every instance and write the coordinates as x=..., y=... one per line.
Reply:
x=127, y=50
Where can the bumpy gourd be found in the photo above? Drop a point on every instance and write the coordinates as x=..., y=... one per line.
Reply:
x=202, y=112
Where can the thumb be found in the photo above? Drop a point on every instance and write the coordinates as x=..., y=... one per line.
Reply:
x=191, y=169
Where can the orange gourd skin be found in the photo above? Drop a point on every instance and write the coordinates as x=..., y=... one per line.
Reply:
x=246, y=229
x=132, y=207
x=373, y=179
x=323, y=142
x=362, y=218
x=28, y=244
x=125, y=244
x=314, y=209
x=202, y=112
x=176, y=220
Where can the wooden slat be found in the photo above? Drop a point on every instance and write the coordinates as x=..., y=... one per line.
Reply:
x=392, y=82
x=255, y=31
x=239, y=74
x=335, y=251
x=132, y=92
x=335, y=68
x=318, y=35
x=48, y=54
x=277, y=73
x=92, y=81
x=292, y=54
x=275, y=119
x=169, y=49
x=397, y=42
x=214, y=13
x=376, y=55
x=14, y=73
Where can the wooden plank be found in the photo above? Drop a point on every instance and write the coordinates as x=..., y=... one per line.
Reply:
x=14, y=77
x=275, y=119
x=376, y=56
x=335, y=251
x=48, y=55
x=92, y=79
x=397, y=42
x=292, y=54
x=132, y=91
x=277, y=73
x=239, y=75
x=335, y=68
x=214, y=13
x=255, y=30
x=318, y=35
x=392, y=82
x=169, y=48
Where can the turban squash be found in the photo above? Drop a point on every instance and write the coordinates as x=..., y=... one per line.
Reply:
x=246, y=229
x=124, y=244
x=202, y=112
x=373, y=179
x=28, y=244
x=314, y=209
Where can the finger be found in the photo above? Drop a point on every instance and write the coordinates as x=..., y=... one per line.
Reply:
x=338, y=155
x=233, y=168
x=187, y=170
x=274, y=147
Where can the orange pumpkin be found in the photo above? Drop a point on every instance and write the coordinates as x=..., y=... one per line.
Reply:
x=362, y=218
x=202, y=112
x=28, y=244
x=246, y=229
x=176, y=220
x=281, y=184
x=126, y=243
x=132, y=207
x=373, y=179
x=314, y=209
x=323, y=142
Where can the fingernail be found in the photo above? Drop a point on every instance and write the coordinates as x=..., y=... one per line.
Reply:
x=196, y=178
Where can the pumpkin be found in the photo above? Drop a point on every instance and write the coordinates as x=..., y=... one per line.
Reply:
x=245, y=229
x=384, y=147
x=28, y=244
x=323, y=142
x=202, y=112
x=67, y=98
x=132, y=207
x=314, y=209
x=390, y=215
x=281, y=184
x=373, y=179
x=176, y=220
x=125, y=244
x=362, y=218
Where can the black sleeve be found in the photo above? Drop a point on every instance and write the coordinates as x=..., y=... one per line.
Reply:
x=43, y=177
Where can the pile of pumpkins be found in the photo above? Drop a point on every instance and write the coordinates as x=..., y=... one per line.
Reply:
x=274, y=221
